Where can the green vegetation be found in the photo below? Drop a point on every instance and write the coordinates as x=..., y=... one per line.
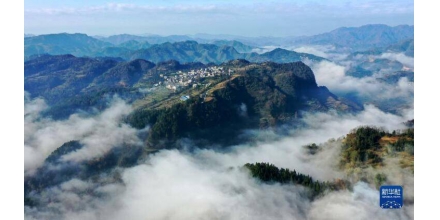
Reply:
x=269, y=173
x=46, y=176
x=312, y=148
x=184, y=118
x=65, y=149
x=97, y=99
x=380, y=179
x=403, y=144
x=362, y=147
x=367, y=146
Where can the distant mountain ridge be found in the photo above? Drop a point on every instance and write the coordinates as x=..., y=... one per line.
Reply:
x=135, y=45
x=366, y=63
x=191, y=51
x=153, y=39
x=182, y=51
x=406, y=47
x=357, y=38
x=239, y=46
x=361, y=38
x=115, y=46
x=57, y=44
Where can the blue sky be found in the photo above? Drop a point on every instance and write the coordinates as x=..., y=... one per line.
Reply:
x=245, y=17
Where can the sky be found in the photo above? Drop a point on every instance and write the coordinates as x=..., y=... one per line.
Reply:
x=250, y=18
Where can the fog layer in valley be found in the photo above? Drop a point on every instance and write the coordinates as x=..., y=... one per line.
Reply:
x=206, y=184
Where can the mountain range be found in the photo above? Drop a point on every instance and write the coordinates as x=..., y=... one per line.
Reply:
x=56, y=44
x=191, y=51
x=405, y=46
x=360, y=38
x=348, y=38
x=387, y=60
x=153, y=39
x=352, y=38
x=183, y=51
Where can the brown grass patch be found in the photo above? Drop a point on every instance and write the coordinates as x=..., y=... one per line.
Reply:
x=387, y=139
x=223, y=84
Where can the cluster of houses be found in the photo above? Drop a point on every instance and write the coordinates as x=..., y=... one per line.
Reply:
x=180, y=79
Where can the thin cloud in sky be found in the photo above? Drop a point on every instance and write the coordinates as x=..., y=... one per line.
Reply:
x=249, y=18
x=284, y=7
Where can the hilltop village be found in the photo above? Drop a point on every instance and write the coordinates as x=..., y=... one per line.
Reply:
x=180, y=79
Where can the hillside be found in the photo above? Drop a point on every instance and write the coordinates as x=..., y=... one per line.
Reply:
x=279, y=55
x=135, y=45
x=257, y=95
x=60, y=77
x=406, y=47
x=69, y=83
x=368, y=146
x=365, y=154
x=240, y=47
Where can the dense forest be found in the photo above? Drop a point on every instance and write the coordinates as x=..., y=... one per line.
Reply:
x=366, y=145
x=269, y=173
